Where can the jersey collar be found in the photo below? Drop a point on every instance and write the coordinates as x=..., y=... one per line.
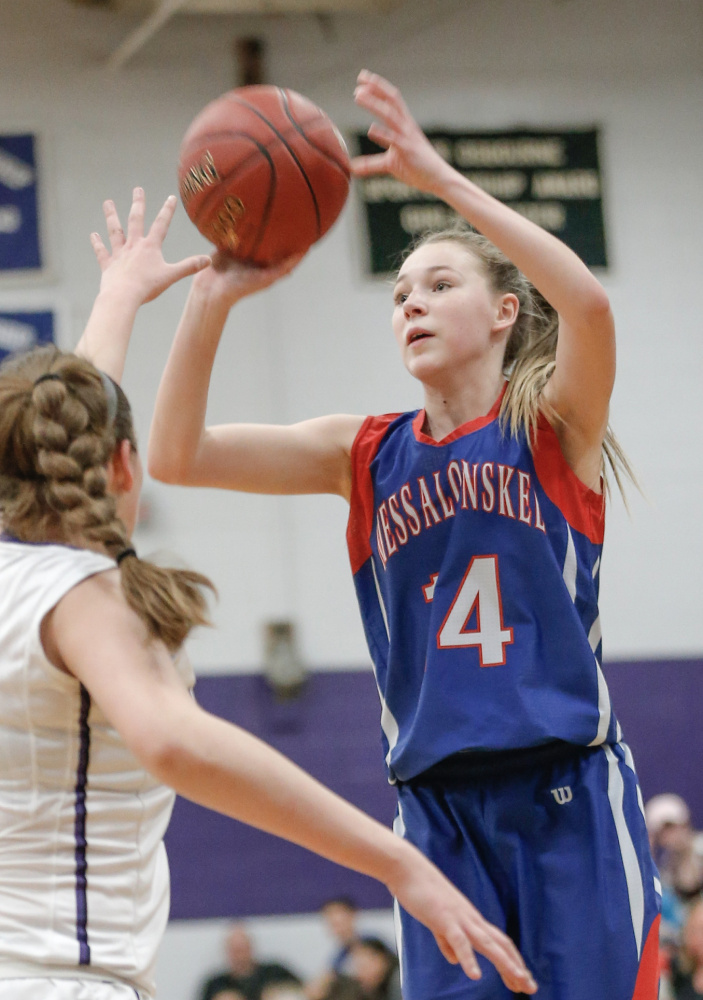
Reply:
x=468, y=428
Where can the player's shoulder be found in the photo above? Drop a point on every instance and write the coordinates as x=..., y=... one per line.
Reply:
x=47, y=566
x=379, y=425
x=373, y=433
x=99, y=588
x=13, y=550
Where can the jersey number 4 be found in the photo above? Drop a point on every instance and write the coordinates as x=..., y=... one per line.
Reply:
x=478, y=597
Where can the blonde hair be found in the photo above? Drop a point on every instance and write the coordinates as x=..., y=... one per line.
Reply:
x=530, y=352
x=60, y=423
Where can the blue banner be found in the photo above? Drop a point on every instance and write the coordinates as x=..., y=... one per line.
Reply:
x=21, y=331
x=20, y=245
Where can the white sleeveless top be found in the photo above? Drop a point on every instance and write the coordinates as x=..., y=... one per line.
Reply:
x=84, y=885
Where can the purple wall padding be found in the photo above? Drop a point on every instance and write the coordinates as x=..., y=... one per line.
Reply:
x=222, y=868
x=659, y=704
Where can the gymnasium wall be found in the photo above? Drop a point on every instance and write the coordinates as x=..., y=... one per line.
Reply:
x=331, y=730
x=320, y=342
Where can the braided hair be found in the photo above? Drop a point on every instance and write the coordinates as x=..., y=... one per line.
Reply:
x=60, y=422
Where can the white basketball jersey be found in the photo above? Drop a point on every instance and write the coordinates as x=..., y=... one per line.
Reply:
x=84, y=887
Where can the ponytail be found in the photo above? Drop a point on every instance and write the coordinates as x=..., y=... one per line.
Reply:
x=530, y=353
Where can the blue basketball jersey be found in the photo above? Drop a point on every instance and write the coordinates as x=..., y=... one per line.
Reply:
x=476, y=564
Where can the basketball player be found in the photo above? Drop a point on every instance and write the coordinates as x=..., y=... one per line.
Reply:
x=97, y=725
x=475, y=536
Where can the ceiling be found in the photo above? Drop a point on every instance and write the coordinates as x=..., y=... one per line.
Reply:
x=154, y=14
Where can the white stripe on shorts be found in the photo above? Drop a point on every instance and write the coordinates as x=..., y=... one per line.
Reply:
x=633, y=874
x=399, y=831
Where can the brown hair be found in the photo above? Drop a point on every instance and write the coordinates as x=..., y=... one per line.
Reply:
x=530, y=352
x=57, y=435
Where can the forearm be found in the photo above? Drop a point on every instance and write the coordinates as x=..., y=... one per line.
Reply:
x=134, y=681
x=555, y=270
x=229, y=770
x=181, y=401
x=106, y=337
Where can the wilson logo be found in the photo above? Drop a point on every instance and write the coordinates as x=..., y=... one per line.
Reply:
x=562, y=795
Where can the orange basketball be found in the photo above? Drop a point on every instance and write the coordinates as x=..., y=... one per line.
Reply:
x=263, y=173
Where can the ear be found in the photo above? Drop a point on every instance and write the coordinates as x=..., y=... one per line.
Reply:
x=120, y=475
x=507, y=308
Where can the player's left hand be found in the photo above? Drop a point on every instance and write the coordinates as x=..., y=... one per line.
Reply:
x=409, y=155
x=135, y=265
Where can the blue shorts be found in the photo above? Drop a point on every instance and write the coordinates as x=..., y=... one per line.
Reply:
x=556, y=855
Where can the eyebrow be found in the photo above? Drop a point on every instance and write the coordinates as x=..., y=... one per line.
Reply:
x=430, y=270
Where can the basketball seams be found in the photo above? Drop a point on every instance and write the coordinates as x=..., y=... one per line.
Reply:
x=269, y=203
x=222, y=177
x=291, y=151
x=300, y=129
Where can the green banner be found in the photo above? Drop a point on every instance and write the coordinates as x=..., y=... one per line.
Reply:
x=551, y=177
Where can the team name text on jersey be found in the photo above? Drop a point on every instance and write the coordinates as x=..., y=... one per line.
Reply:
x=484, y=487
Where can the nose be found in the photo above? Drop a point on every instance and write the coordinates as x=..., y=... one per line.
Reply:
x=414, y=305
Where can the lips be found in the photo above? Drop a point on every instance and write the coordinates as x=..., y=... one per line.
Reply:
x=416, y=333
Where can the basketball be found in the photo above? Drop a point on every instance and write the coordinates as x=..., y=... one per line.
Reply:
x=263, y=173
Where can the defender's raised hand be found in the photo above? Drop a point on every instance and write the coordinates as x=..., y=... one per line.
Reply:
x=133, y=272
x=135, y=260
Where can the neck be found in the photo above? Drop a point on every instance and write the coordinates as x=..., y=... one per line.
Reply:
x=448, y=407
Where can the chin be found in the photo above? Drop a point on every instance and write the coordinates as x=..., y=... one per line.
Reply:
x=425, y=369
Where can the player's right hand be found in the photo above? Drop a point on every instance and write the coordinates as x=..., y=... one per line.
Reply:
x=458, y=927
x=229, y=279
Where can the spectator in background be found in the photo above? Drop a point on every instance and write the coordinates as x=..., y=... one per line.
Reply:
x=245, y=975
x=339, y=981
x=340, y=916
x=678, y=852
x=686, y=978
x=284, y=989
x=373, y=974
x=375, y=967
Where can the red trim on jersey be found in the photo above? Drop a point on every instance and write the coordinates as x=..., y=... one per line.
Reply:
x=468, y=428
x=647, y=983
x=360, y=524
x=583, y=508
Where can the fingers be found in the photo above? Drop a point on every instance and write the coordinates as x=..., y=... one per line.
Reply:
x=135, y=222
x=457, y=949
x=227, y=264
x=381, y=135
x=502, y=953
x=380, y=97
x=100, y=250
x=191, y=265
x=114, y=229
x=381, y=88
x=286, y=266
x=365, y=166
x=389, y=113
x=160, y=225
